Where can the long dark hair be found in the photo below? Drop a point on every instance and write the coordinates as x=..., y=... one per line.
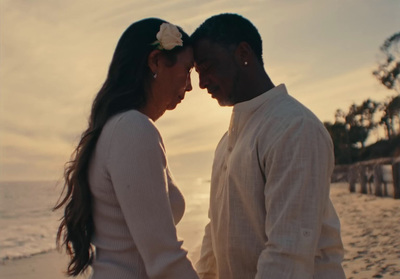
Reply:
x=125, y=88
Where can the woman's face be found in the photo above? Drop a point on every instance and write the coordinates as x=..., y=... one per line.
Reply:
x=175, y=81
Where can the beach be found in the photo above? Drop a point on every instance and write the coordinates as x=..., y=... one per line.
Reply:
x=370, y=233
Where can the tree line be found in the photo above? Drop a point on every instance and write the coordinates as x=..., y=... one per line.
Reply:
x=352, y=128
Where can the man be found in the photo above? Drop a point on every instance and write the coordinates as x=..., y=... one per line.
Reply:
x=270, y=212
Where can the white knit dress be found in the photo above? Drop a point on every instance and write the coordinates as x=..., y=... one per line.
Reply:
x=135, y=204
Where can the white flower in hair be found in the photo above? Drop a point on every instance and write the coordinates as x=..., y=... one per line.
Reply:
x=168, y=37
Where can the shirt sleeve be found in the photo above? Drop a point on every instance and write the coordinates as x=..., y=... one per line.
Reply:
x=137, y=167
x=206, y=266
x=298, y=169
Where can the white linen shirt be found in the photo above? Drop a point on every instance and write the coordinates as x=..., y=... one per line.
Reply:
x=270, y=211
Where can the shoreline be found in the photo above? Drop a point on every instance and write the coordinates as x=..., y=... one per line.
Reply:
x=370, y=233
x=46, y=265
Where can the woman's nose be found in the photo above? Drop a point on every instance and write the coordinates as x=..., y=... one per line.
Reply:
x=188, y=84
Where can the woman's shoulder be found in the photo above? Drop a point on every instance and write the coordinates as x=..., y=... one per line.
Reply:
x=132, y=123
x=132, y=119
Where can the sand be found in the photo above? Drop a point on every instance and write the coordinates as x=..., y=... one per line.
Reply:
x=370, y=232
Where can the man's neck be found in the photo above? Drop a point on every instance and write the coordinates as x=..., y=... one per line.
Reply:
x=256, y=87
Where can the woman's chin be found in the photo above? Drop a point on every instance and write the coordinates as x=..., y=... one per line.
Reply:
x=172, y=107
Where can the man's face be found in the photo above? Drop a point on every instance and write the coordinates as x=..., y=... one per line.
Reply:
x=218, y=72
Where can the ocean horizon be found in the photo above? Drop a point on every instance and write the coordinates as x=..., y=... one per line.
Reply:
x=27, y=222
x=28, y=226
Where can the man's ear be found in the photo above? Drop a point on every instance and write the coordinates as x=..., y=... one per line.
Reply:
x=154, y=60
x=243, y=53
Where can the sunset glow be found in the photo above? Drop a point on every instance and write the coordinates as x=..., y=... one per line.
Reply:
x=54, y=57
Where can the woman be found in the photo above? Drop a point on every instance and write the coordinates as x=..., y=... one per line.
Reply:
x=120, y=196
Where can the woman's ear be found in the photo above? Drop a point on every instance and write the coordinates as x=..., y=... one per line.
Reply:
x=154, y=60
x=243, y=53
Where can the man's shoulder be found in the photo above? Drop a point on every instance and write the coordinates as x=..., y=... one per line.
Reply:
x=285, y=109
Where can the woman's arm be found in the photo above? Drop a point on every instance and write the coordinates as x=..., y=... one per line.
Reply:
x=137, y=167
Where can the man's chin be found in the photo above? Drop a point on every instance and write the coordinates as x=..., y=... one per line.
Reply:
x=224, y=103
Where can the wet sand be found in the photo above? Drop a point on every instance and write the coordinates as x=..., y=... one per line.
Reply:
x=370, y=232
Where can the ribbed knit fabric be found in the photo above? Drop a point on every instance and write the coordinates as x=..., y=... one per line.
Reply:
x=135, y=204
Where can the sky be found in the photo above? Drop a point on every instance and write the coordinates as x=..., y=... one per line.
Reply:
x=54, y=56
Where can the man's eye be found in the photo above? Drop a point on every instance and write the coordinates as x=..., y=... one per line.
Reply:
x=204, y=67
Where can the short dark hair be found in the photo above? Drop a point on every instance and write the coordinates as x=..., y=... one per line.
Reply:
x=229, y=29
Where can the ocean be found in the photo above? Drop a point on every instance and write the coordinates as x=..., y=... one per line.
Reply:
x=28, y=226
x=27, y=223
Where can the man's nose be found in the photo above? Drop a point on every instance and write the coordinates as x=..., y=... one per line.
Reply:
x=203, y=81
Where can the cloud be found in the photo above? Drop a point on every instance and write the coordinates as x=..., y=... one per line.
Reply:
x=324, y=96
x=26, y=156
x=55, y=55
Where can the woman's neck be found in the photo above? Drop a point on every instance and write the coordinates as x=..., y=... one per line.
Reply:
x=152, y=110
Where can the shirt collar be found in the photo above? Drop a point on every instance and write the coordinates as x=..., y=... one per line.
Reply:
x=251, y=105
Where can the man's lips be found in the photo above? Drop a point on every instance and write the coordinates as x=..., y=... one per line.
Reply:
x=212, y=90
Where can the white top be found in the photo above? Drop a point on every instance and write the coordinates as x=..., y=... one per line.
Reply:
x=135, y=204
x=270, y=211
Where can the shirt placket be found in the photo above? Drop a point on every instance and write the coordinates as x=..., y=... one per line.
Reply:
x=231, y=139
x=232, y=135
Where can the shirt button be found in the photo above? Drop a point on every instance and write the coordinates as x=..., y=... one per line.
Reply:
x=230, y=148
x=225, y=167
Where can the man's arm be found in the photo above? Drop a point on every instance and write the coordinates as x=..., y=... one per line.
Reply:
x=298, y=171
x=206, y=266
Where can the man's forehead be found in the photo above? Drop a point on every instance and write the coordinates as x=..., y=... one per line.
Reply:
x=200, y=49
x=205, y=50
